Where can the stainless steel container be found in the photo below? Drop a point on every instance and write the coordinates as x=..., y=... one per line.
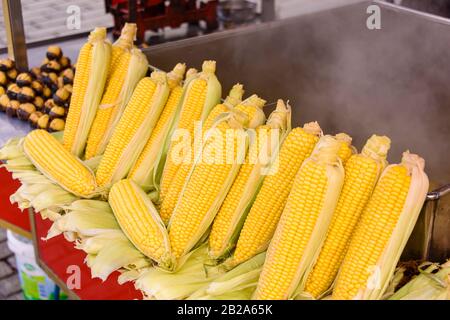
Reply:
x=333, y=69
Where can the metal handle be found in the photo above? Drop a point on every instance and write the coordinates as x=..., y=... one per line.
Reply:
x=439, y=193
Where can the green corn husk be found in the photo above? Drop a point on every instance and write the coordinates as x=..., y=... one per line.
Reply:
x=156, y=283
x=114, y=255
x=433, y=283
x=237, y=284
x=84, y=218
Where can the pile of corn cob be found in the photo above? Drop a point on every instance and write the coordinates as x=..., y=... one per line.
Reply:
x=248, y=208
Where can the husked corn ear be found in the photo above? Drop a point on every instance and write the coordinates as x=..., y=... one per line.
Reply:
x=211, y=178
x=134, y=129
x=304, y=222
x=232, y=213
x=269, y=203
x=383, y=230
x=123, y=44
x=131, y=67
x=88, y=84
x=58, y=164
x=361, y=175
x=346, y=150
x=144, y=172
x=176, y=185
x=140, y=221
x=203, y=92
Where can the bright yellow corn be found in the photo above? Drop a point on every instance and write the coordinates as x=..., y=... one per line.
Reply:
x=140, y=221
x=90, y=78
x=58, y=164
x=211, y=178
x=346, y=150
x=123, y=44
x=232, y=213
x=303, y=224
x=203, y=92
x=176, y=186
x=144, y=171
x=266, y=210
x=134, y=129
x=361, y=174
x=131, y=67
x=383, y=230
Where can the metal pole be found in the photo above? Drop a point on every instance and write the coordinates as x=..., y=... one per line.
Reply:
x=15, y=33
x=268, y=10
x=132, y=10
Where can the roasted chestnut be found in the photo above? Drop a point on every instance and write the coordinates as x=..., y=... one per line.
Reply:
x=56, y=125
x=26, y=94
x=57, y=112
x=12, y=74
x=48, y=105
x=4, y=101
x=61, y=96
x=54, y=53
x=38, y=103
x=25, y=110
x=43, y=122
x=3, y=78
x=24, y=79
x=37, y=86
x=12, y=91
x=6, y=64
x=35, y=72
x=46, y=92
x=34, y=117
x=64, y=62
x=68, y=76
x=12, y=107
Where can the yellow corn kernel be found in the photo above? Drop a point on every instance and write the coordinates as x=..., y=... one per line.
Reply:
x=140, y=221
x=132, y=131
x=266, y=210
x=361, y=175
x=90, y=78
x=202, y=94
x=346, y=150
x=383, y=230
x=303, y=224
x=193, y=214
x=59, y=165
x=143, y=172
x=230, y=217
x=176, y=185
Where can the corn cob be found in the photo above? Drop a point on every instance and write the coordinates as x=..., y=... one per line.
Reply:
x=123, y=45
x=89, y=82
x=346, y=150
x=266, y=210
x=361, y=175
x=213, y=177
x=131, y=67
x=232, y=213
x=134, y=129
x=145, y=171
x=140, y=221
x=304, y=222
x=59, y=165
x=203, y=92
x=174, y=190
x=383, y=230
